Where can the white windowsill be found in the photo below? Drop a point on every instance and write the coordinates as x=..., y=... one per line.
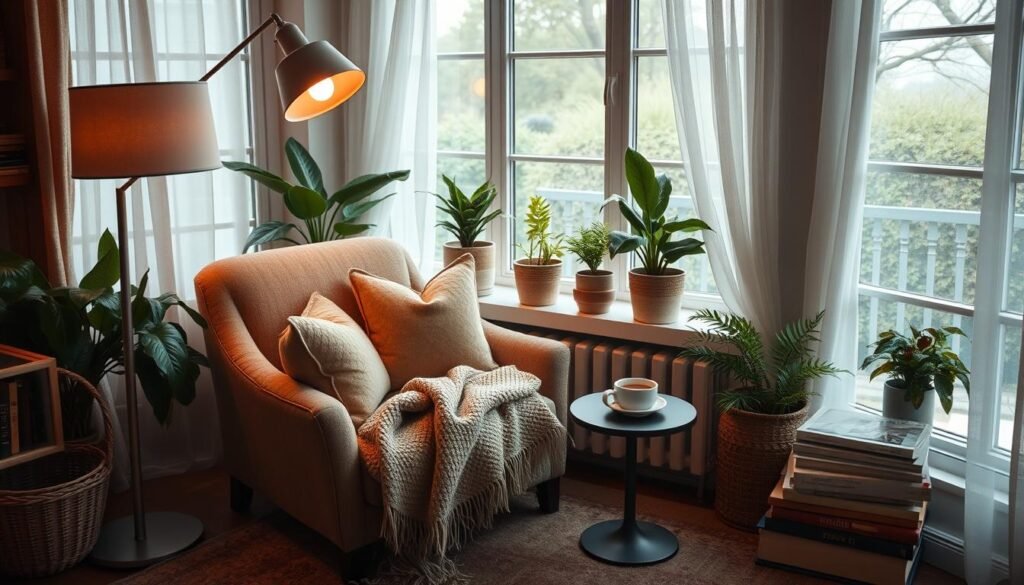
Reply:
x=503, y=305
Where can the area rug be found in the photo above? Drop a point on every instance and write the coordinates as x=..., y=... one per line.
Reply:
x=524, y=548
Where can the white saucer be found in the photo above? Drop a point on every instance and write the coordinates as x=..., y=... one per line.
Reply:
x=659, y=403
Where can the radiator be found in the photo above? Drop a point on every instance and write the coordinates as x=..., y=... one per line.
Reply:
x=682, y=457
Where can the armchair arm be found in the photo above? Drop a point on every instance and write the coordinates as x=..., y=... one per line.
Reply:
x=545, y=358
x=292, y=442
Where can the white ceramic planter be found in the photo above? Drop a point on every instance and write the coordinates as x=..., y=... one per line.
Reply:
x=656, y=299
x=894, y=405
x=483, y=256
x=537, y=284
x=595, y=291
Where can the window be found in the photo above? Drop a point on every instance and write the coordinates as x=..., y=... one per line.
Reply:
x=542, y=97
x=192, y=219
x=943, y=230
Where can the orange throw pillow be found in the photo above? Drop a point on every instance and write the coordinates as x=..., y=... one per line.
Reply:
x=423, y=335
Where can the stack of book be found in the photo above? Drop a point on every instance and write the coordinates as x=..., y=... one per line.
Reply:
x=13, y=158
x=852, y=501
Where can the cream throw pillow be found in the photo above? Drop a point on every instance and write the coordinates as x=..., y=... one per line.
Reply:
x=424, y=334
x=326, y=349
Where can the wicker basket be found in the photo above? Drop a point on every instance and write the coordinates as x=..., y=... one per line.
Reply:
x=752, y=451
x=51, y=508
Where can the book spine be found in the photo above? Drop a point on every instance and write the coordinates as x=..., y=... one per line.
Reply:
x=12, y=402
x=848, y=539
x=5, y=424
x=879, y=488
x=870, y=529
x=898, y=451
x=25, y=425
x=872, y=499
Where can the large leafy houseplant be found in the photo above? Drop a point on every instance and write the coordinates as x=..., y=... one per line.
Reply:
x=325, y=217
x=919, y=363
x=652, y=232
x=467, y=216
x=761, y=411
x=81, y=328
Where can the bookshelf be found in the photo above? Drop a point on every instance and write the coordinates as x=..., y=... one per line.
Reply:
x=30, y=422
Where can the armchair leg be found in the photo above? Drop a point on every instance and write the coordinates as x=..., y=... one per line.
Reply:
x=548, y=493
x=360, y=563
x=241, y=496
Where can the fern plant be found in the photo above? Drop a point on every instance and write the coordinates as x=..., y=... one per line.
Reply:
x=770, y=381
x=541, y=247
x=467, y=214
x=590, y=244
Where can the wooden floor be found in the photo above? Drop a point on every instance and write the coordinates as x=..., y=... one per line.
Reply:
x=204, y=494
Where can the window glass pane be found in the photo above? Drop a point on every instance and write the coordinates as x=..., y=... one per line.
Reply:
x=558, y=107
x=1008, y=380
x=920, y=234
x=931, y=100
x=1015, y=271
x=544, y=25
x=575, y=193
x=460, y=26
x=903, y=14
x=460, y=105
x=468, y=174
x=656, y=135
x=875, y=316
x=650, y=24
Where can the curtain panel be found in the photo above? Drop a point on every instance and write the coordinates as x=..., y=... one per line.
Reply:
x=178, y=224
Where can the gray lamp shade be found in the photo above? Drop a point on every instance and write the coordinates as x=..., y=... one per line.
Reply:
x=313, y=77
x=141, y=130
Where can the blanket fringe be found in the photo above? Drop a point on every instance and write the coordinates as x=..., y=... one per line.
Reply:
x=427, y=564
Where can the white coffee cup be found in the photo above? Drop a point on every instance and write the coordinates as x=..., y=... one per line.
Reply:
x=632, y=394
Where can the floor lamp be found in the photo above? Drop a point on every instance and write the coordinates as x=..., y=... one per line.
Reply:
x=155, y=129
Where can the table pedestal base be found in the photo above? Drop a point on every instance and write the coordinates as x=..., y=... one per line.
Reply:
x=643, y=543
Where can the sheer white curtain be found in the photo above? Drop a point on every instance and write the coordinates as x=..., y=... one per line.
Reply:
x=833, y=243
x=392, y=123
x=1016, y=520
x=178, y=223
x=725, y=68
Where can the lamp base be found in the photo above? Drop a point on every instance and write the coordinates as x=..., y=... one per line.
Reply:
x=167, y=534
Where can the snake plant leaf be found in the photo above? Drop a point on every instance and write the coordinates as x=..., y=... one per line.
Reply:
x=356, y=210
x=264, y=233
x=664, y=195
x=265, y=178
x=304, y=203
x=364, y=186
x=634, y=220
x=304, y=167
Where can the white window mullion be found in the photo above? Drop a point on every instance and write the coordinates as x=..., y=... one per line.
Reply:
x=497, y=64
x=996, y=220
x=618, y=99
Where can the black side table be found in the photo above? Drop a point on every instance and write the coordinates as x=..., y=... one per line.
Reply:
x=626, y=541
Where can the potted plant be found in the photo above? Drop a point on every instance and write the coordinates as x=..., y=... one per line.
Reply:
x=540, y=271
x=81, y=328
x=762, y=409
x=325, y=218
x=467, y=218
x=595, y=288
x=919, y=367
x=656, y=289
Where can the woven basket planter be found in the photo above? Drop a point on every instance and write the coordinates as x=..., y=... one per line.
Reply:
x=51, y=508
x=752, y=451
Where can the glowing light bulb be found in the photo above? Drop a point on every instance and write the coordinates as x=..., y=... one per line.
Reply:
x=322, y=91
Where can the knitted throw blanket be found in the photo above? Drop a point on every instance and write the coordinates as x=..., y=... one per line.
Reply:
x=449, y=452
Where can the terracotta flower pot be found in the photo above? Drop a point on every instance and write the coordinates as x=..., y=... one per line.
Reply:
x=895, y=405
x=752, y=451
x=595, y=291
x=537, y=284
x=656, y=298
x=483, y=256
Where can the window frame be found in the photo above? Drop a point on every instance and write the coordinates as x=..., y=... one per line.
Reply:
x=1000, y=174
x=621, y=54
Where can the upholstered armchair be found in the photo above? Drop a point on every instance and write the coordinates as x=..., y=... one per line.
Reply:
x=295, y=444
